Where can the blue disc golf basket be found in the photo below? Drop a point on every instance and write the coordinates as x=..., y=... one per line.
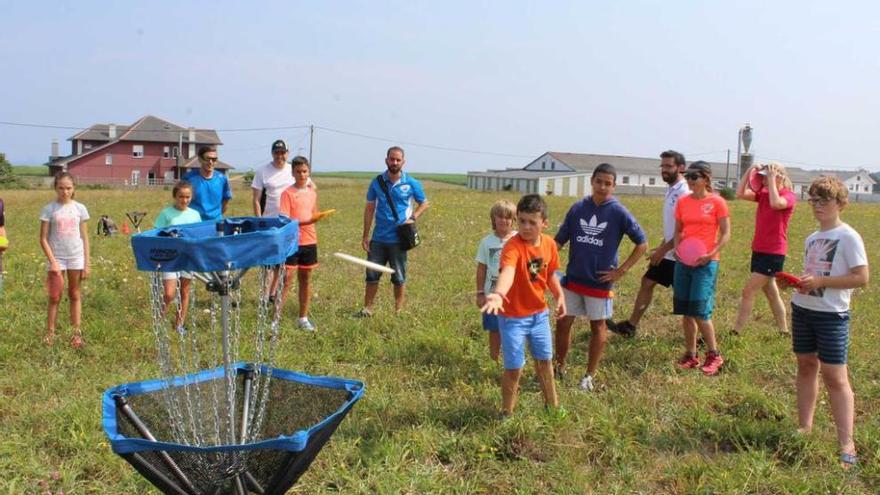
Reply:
x=240, y=427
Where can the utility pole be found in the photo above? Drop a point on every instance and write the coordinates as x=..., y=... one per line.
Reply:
x=311, y=143
x=727, y=174
x=179, y=147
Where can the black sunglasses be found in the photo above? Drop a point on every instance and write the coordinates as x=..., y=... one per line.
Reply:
x=693, y=176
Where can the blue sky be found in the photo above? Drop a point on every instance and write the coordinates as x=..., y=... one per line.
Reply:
x=512, y=78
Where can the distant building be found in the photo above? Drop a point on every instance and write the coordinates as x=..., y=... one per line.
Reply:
x=151, y=151
x=568, y=174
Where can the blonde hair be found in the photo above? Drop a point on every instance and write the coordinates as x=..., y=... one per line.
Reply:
x=781, y=174
x=830, y=188
x=503, y=209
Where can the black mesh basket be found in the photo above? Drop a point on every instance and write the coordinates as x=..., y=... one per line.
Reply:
x=301, y=413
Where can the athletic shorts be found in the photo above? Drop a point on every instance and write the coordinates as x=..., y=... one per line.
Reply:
x=387, y=254
x=516, y=331
x=176, y=275
x=305, y=257
x=68, y=264
x=594, y=308
x=490, y=322
x=767, y=264
x=663, y=273
x=820, y=332
x=694, y=290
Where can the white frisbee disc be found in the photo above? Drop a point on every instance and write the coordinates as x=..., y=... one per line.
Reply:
x=368, y=264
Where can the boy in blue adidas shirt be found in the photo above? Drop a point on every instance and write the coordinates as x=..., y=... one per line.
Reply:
x=594, y=226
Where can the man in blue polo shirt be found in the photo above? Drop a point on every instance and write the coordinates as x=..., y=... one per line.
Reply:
x=211, y=192
x=384, y=246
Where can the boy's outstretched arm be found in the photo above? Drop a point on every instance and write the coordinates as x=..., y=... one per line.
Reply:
x=495, y=300
x=615, y=275
x=856, y=278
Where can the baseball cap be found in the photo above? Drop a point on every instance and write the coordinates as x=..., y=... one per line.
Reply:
x=279, y=145
x=699, y=167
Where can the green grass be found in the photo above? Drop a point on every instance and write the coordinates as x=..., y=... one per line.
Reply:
x=428, y=422
x=30, y=170
x=455, y=179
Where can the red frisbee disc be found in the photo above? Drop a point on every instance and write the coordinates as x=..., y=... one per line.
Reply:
x=756, y=181
x=788, y=278
x=689, y=250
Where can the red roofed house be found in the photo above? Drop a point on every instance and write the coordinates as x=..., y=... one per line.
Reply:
x=150, y=151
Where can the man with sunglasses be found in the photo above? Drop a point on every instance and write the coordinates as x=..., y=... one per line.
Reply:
x=661, y=259
x=211, y=191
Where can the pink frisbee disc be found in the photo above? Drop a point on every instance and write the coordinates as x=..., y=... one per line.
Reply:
x=689, y=250
x=756, y=180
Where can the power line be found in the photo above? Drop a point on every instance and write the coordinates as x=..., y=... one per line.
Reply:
x=175, y=131
x=421, y=145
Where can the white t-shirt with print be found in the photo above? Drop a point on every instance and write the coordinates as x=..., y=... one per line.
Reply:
x=489, y=254
x=831, y=253
x=673, y=192
x=64, y=228
x=275, y=181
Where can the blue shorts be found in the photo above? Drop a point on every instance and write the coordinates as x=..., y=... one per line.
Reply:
x=387, y=254
x=515, y=332
x=694, y=290
x=490, y=322
x=820, y=332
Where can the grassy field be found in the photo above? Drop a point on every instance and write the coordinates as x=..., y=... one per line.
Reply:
x=456, y=179
x=429, y=420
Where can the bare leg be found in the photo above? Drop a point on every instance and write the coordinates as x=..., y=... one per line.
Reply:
x=54, y=286
x=771, y=290
x=598, y=336
x=747, y=303
x=495, y=345
x=707, y=330
x=305, y=291
x=509, y=390
x=643, y=300
x=563, y=338
x=807, y=387
x=399, y=297
x=74, y=294
x=544, y=370
x=370, y=295
x=840, y=395
x=285, y=291
x=689, y=326
x=169, y=291
x=185, y=284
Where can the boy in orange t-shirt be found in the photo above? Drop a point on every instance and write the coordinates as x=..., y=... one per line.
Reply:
x=529, y=262
x=300, y=202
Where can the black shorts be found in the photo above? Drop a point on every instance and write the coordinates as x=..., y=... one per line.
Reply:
x=663, y=273
x=305, y=257
x=767, y=264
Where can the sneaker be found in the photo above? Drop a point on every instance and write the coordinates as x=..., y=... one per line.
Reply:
x=586, y=383
x=712, y=363
x=306, y=325
x=559, y=372
x=555, y=413
x=625, y=328
x=688, y=361
x=363, y=313
x=181, y=330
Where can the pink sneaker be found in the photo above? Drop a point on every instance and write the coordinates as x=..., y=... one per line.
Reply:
x=712, y=363
x=688, y=361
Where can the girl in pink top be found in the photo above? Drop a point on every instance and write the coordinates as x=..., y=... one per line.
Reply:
x=775, y=206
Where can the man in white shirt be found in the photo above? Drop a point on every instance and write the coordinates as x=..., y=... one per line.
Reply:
x=662, y=259
x=271, y=180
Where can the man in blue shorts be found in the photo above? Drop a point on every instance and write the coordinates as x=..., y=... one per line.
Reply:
x=384, y=246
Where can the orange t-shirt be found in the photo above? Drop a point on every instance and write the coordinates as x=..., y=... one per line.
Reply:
x=701, y=218
x=534, y=266
x=301, y=204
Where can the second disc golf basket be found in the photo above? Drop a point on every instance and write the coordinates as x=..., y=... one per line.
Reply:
x=136, y=217
x=215, y=423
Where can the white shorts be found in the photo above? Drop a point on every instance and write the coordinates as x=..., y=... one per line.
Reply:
x=68, y=264
x=175, y=275
x=594, y=308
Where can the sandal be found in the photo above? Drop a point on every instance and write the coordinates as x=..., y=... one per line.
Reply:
x=848, y=461
x=49, y=339
x=77, y=341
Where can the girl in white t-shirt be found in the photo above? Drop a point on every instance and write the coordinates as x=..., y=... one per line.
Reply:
x=64, y=239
